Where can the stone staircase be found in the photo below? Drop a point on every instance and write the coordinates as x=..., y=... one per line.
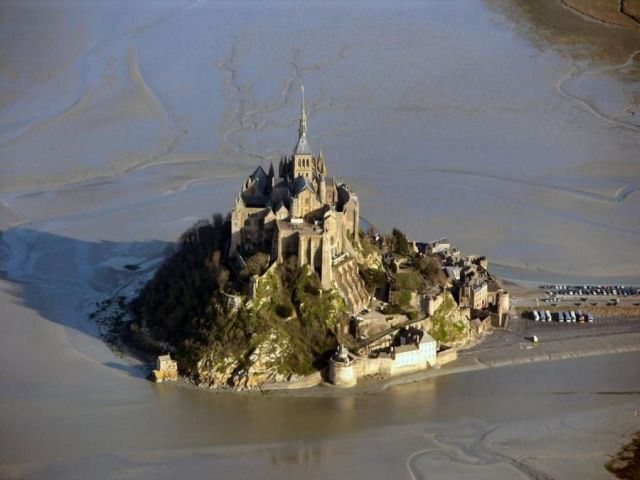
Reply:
x=350, y=285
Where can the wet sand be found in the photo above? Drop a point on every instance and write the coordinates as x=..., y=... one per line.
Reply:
x=122, y=124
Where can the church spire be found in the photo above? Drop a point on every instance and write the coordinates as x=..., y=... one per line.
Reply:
x=302, y=130
x=302, y=147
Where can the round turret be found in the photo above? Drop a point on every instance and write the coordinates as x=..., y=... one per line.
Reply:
x=341, y=368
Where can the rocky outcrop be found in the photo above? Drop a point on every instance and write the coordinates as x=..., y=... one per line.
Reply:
x=447, y=325
x=247, y=370
x=350, y=285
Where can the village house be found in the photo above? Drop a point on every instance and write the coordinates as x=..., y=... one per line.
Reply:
x=413, y=350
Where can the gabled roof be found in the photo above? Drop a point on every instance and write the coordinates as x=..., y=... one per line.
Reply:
x=301, y=184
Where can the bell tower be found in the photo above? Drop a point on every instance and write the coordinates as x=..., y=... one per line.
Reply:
x=303, y=162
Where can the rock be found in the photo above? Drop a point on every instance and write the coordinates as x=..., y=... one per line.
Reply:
x=263, y=365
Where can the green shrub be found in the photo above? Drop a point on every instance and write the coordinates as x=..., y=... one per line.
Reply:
x=413, y=314
x=392, y=309
x=403, y=298
x=373, y=278
x=409, y=280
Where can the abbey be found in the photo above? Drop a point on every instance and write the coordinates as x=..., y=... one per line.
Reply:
x=304, y=215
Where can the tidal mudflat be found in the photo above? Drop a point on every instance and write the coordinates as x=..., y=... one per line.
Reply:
x=513, y=130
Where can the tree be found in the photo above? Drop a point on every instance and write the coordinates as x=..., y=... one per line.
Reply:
x=400, y=243
x=431, y=270
x=257, y=264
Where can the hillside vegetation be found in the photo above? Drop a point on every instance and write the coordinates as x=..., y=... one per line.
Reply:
x=285, y=330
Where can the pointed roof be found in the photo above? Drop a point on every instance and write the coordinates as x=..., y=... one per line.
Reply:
x=300, y=184
x=258, y=175
x=302, y=147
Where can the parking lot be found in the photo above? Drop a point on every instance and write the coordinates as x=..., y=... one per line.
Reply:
x=520, y=330
x=591, y=290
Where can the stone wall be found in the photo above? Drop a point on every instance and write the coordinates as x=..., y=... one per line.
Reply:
x=305, y=382
x=433, y=302
x=166, y=370
x=447, y=356
x=350, y=285
x=384, y=366
x=342, y=374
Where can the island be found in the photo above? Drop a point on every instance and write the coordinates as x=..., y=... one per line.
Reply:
x=288, y=290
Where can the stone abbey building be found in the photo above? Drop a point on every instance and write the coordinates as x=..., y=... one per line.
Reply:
x=302, y=213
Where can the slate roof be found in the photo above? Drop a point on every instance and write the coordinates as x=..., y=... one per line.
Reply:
x=280, y=195
x=302, y=147
x=300, y=184
x=259, y=175
x=254, y=200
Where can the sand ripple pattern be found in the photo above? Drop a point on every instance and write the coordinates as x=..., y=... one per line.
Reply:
x=577, y=72
x=474, y=458
x=244, y=114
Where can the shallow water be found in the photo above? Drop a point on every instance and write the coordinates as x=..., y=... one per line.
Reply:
x=512, y=145
x=502, y=126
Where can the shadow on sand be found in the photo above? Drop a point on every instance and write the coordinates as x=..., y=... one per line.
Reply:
x=64, y=279
x=132, y=370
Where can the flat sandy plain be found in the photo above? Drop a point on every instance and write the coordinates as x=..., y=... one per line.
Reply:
x=511, y=128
